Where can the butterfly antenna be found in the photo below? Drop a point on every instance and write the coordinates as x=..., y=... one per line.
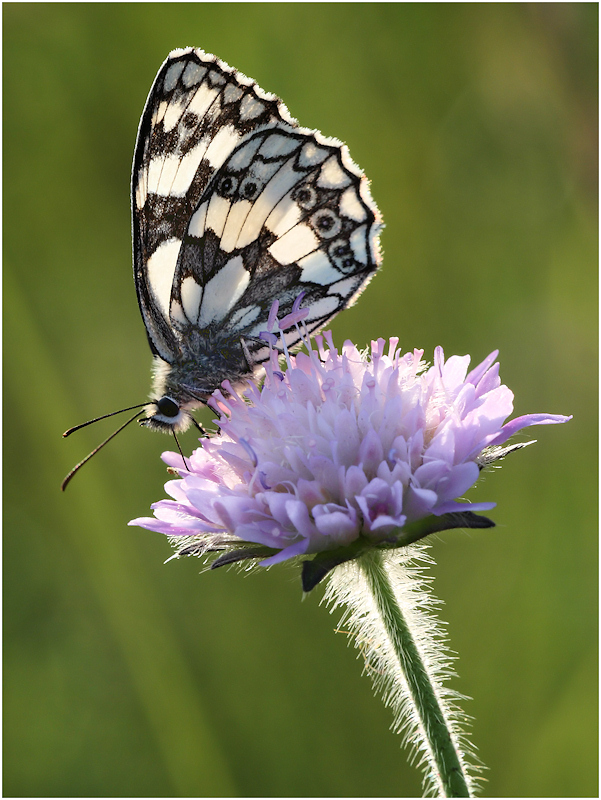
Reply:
x=77, y=467
x=180, y=452
x=104, y=416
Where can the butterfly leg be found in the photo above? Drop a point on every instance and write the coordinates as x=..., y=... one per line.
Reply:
x=247, y=354
x=199, y=426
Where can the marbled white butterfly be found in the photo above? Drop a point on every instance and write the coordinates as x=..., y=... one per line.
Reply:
x=235, y=205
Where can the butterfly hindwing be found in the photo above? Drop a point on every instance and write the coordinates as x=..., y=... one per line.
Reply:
x=284, y=214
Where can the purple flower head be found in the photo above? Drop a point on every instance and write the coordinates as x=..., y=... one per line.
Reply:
x=342, y=448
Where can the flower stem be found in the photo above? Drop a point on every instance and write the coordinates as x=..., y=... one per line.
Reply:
x=442, y=750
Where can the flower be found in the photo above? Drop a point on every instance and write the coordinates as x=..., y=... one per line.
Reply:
x=340, y=448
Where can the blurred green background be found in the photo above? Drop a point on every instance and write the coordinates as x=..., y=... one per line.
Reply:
x=477, y=124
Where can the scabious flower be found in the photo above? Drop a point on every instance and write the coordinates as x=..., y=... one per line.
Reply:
x=340, y=448
x=346, y=456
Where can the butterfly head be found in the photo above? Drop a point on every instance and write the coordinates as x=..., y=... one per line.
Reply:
x=179, y=389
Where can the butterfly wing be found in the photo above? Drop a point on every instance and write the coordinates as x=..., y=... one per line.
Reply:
x=197, y=111
x=235, y=205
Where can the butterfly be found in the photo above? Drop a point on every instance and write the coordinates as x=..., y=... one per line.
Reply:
x=235, y=205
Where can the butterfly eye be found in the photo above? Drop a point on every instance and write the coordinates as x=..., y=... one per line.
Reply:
x=306, y=197
x=167, y=407
x=326, y=223
x=227, y=186
x=249, y=189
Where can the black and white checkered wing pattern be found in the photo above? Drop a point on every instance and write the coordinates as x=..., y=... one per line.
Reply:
x=235, y=205
x=197, y=112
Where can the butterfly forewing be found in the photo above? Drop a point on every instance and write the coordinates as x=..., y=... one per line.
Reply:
x=197, y=111
x=234, y=206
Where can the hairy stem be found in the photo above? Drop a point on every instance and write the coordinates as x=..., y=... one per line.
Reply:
x=440, y=746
